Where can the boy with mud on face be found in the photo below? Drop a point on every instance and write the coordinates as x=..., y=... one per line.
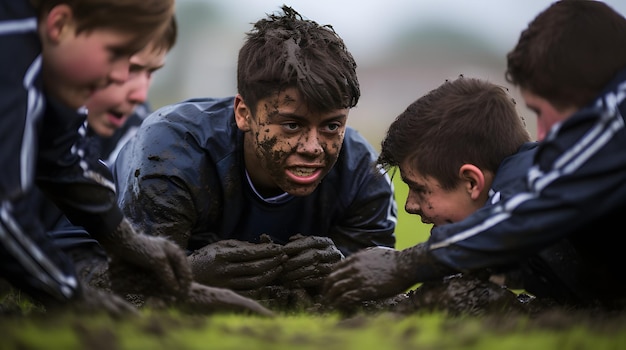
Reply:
x=269, y=187
x=459, y=148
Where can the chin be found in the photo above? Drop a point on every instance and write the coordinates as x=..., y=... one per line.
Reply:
x=300, y=191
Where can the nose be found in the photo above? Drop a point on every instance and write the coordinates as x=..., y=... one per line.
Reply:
x=120, y=71
x=139, y=92
x=411, y=205
x=310, y=143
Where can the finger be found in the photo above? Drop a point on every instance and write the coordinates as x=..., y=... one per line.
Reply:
x=239, y=302
x=251, y=252
x=305, y=282
x=312, y=257
x=336, y=280
x=96, y=300
x=348, y=299
x=299, y=273
x=310, y=271
x=251, y=267
x=335, y=292
x=296, y=237
x=172, y=269
x=180, y=267
x=307, y=242
x=253, y=281
x=203, y=298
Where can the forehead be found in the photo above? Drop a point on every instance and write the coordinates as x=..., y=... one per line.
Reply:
x=291, y=101
x=409, y=171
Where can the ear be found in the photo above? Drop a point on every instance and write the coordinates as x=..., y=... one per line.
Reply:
x=58, y=22
x=242, y=114
x=474, y=180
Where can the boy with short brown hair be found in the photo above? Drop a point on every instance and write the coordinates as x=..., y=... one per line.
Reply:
x=55, y=55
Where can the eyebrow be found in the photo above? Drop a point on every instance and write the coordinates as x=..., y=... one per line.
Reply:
x=303, y=118
x=146, y=67
x=413, y=184
x=408, y=182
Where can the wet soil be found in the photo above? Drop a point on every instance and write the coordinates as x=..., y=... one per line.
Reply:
x=455, y=295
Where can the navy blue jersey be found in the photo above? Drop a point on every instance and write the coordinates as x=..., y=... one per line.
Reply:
x=43, y=143
x=183, y=176
x=573, y=194
x=65, y=235
x=27, y=259
x=510, y=172
x=21, y=97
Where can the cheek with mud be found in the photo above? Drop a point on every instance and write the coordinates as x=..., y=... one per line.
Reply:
x=273, y=156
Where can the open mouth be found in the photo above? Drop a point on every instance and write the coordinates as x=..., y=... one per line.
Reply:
x=303, y=172
x=116, y=114
x=304, y=175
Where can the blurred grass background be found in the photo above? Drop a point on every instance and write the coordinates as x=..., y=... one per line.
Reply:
x=410, y=229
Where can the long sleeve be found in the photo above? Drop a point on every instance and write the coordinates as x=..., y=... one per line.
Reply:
x=577, y=179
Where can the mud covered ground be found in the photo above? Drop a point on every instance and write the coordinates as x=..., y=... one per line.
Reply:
x=456, y=295
x=403, y=322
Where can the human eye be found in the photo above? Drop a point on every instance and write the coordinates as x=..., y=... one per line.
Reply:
x=417, y=188
x=333, y=127
x=135, y=68
x=118, y=54
x=291, y=127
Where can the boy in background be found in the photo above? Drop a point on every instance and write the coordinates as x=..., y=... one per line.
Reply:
x=56, y=54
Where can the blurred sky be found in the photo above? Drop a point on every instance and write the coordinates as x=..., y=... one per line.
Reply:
x=403, y=48
x=362, y=23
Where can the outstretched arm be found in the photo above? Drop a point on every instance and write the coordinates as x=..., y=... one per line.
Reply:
x=379, y=272
x=577, y=180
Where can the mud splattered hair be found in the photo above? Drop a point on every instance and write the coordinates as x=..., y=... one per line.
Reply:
x=285, y=50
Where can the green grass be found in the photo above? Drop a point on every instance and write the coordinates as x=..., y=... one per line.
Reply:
x=171, y=330
x=410, y=229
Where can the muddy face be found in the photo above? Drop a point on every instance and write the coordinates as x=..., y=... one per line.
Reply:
x=435, y=204
x=288, y=147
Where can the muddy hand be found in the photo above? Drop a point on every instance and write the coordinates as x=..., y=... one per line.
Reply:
x=311, y=259
x=369, y=274
x=163, y=259
x=204, y=300
x=237, y=264
x=93, y=300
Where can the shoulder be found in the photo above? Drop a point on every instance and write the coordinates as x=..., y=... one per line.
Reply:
x=194, y=119
x=183, y=133
x=356, y=151
x=356, y=165
x=515, y=167
x=193, y=112
x=19, y=37
x=15, y=11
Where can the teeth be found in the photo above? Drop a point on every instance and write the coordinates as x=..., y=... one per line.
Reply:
x=303, y=171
